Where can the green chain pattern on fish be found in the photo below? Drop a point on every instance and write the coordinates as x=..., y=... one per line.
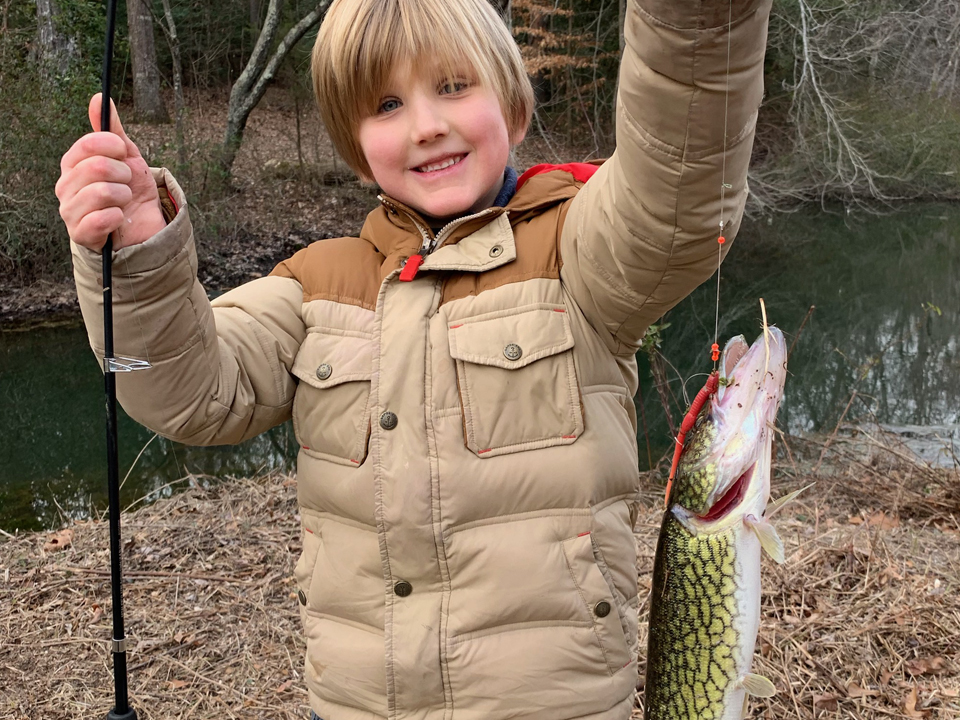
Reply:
x=694, y=491
x=695, y=619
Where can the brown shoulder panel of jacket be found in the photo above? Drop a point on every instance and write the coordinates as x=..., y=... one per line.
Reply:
x=345, y=270
x=538, y=256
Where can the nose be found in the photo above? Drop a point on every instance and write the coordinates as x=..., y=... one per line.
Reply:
x=428, y=121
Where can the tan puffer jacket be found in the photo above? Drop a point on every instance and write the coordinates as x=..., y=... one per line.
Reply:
x=468, y=472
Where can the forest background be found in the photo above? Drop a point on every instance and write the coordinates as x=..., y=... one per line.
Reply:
x=861, y=108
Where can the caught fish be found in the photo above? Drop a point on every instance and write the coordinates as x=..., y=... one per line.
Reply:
x=705, y=602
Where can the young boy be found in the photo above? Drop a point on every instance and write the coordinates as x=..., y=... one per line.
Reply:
x=461, y=376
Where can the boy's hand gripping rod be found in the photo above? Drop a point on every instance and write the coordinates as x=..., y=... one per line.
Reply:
x=111, y=366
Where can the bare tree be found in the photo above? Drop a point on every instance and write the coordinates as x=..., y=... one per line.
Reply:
x=505, y=8
x=845, y=55
x=262, y=67
x=147, y=103
x=56, y=51
x=170, y=30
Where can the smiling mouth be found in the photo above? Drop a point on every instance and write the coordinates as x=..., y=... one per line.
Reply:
x=442, y=165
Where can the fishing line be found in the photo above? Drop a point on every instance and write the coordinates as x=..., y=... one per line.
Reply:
x=715, y=348
x=713, y=379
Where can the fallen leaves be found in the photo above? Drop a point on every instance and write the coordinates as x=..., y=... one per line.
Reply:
x=827, y=702
x=59, y=541
x=926, y=666
x=855, y=691
x=910, y=705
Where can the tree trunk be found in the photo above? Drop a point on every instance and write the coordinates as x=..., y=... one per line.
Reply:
x=255, y=7
x=55, y=51
x=249, y=88
x=147, y=103
x=170, y=30
x=505, y=8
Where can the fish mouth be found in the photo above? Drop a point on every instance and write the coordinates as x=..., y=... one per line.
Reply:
x=731, y=498
x=752, y=376
x=744, y=410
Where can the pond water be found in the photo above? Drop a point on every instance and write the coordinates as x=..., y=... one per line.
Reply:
x=886, y=324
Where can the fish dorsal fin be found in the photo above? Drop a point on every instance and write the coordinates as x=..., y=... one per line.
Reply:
x=769, y=540
x=777, y=504
x=758, y=685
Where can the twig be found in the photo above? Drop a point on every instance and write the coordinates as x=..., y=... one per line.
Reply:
x=800, y=330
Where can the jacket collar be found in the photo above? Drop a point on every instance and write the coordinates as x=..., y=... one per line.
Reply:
x=399, y=231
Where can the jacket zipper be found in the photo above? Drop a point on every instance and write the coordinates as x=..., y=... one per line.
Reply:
x=428, y=244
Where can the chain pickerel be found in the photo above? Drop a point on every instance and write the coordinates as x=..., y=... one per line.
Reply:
x=705, y=600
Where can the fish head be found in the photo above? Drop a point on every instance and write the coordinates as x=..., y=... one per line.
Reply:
x=724, y=469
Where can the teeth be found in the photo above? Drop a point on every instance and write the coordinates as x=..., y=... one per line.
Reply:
x=440, y=166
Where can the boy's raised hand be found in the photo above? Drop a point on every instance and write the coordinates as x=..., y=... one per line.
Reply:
x=106, y=185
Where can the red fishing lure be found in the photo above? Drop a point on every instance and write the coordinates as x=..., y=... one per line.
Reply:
x=709, y=388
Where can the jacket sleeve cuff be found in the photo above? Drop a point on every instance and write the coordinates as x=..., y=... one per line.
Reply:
x=159, y=250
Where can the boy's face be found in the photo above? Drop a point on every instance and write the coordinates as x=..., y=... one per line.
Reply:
x=437, y=144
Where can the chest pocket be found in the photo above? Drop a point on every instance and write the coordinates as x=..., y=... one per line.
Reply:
x=517, y=380
x=331, y=413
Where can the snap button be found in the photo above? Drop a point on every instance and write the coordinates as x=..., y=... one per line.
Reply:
x=601, y=609
x=496, y=251
x=402, y=588
x=324, y=371
x=512, y=352
x=388, y=420
x=302, y=597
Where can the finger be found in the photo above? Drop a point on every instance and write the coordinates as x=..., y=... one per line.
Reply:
x=95, y=197
x=91, y=145
x=93, y=229
x=116, y=127
x=98, y=168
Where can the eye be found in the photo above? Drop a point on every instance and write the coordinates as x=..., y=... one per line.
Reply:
x=388, y=105
x=451, y=87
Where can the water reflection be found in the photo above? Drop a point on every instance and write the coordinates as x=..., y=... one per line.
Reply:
x=52, y=437
x=887, y=323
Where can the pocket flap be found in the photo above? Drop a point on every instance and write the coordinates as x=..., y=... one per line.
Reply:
x=326, y=359
x=511, y=340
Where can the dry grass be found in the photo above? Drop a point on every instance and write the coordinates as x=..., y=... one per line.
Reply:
x=862, y=621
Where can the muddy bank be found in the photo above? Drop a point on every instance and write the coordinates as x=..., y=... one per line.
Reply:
x=222, y=265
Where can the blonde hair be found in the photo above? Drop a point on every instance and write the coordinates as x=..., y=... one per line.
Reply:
x=361, y=42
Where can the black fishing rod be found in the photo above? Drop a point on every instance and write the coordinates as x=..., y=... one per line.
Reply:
x=111, y=366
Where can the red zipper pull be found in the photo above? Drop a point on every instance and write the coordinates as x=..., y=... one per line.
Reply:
x=409, y=271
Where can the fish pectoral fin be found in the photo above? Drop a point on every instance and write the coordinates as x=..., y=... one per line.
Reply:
x=758, y=685
x=769, y=540
x=777, y=504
